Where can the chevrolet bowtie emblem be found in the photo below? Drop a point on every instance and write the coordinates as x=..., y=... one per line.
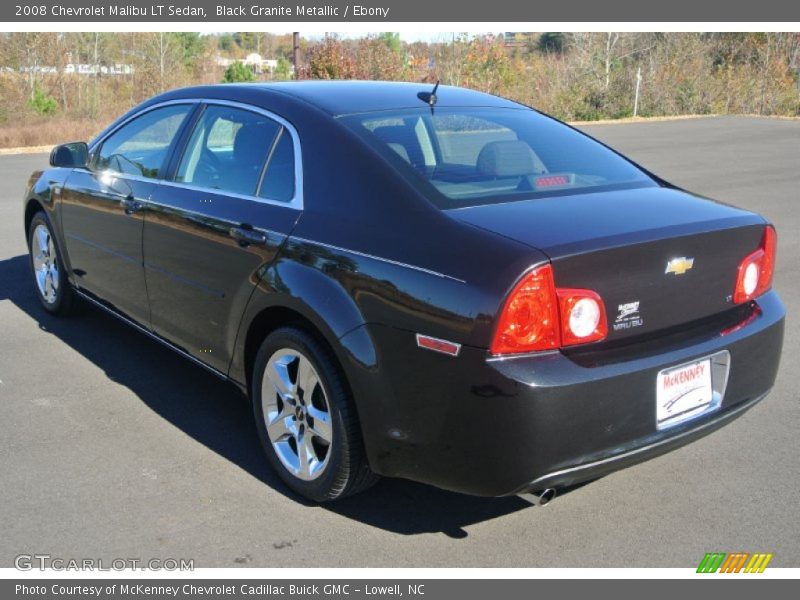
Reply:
x=679, y=266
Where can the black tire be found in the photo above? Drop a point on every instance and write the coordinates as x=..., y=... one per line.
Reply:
x=345, y=471
x=63, y=300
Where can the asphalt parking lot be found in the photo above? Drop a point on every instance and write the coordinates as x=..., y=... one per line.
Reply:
x=111, y=446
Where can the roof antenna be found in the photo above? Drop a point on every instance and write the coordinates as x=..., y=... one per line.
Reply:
x=429, y=97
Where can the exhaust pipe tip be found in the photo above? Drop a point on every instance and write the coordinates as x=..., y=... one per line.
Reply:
x=543, y=497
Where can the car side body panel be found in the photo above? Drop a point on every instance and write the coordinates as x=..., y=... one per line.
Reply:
x=104, y=241
x=199, y=278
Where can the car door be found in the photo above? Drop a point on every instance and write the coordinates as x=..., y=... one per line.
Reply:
x=101, y=207
x=233, y=197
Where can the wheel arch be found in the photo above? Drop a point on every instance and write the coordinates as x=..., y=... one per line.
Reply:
x=265, y=322
x=32, y=206
x=350, y=350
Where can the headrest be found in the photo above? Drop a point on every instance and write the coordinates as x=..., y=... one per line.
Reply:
x=401, y=151
x=512, y=158
x=403, y=140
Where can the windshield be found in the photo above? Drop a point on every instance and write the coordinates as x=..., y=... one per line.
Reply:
x=464, y=157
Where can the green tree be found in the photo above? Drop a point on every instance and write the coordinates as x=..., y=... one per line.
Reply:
x=392, y=41
x=552, y=42
x=191, y=46
x=226, y=42
x=283, y=70
x=248, y=40
x=42, y=103
x=238, y=72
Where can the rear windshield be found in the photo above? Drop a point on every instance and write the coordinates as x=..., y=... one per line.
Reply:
x=464, y=157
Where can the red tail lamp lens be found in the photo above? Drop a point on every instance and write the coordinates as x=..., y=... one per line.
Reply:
x=538, y=317
x=754, y=275
x=529, y=320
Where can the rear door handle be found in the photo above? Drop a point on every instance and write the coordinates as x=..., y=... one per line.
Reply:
x=131, y=205
x=246, y=236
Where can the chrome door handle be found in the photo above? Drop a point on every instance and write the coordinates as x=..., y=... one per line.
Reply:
x=246, y=236
x=131, y=205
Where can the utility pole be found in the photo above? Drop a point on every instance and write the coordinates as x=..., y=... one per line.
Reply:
x=636, y=98
x=295, y=52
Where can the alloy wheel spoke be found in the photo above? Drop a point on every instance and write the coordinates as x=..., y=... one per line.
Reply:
x=41, y=276
x=321, y=423
x=306, y=379
x=42, y=240
x=305, y=455
x=278, y=374
x=49, y=291
x=281, y=427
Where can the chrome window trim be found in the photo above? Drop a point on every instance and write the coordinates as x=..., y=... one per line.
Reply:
x=107, y=134
x=295, y=203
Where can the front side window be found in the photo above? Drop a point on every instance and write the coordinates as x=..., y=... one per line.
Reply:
x=236, y=150
x=464, y=157
x=140, y=147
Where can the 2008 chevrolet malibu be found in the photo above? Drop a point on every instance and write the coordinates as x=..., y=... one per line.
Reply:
x=435, y=284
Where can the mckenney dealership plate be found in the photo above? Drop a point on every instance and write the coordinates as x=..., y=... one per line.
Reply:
x=683, y=392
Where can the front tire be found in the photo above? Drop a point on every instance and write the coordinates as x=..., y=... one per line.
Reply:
x=49, y=275
x=306, y=418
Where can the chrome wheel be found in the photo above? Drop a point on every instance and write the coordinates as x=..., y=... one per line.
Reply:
x=45, y=263
x=297, y=414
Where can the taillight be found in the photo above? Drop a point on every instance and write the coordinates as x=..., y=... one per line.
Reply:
x=537, y=316
x=529, y=321
x=754, y=276
x=583, y=316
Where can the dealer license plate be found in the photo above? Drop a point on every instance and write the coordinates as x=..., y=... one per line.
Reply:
x=683, y=393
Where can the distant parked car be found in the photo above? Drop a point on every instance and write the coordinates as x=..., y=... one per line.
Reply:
x=440, y=285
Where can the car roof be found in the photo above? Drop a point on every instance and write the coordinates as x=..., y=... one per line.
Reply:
x=348, y=97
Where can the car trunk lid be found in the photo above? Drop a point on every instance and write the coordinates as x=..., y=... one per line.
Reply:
x=658, y=257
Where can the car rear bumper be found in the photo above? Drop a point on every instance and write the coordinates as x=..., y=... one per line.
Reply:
x=502, y=426
x=640, y=451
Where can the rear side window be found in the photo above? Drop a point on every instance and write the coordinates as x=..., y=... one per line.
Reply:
x=140, y=147
x=228, y=150
x=464, y=157
x=278, y=181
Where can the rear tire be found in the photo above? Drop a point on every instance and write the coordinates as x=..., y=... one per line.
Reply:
x=306, y=418
x=49, y=275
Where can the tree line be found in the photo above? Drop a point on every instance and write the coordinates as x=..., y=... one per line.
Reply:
x=46, y=95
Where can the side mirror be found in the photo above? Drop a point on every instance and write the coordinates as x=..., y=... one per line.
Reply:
x=74, y=154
